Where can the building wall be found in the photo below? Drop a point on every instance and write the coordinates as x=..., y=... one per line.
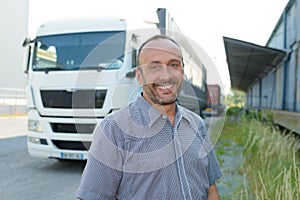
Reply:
x=268, y=90
x=280, y=88
x=254, y=95
x=13, y=23
x=283, y=83
x=291, y=79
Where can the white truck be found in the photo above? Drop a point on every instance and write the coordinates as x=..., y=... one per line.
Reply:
x=78, y=72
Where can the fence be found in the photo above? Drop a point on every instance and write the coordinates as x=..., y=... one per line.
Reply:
x=12, y=101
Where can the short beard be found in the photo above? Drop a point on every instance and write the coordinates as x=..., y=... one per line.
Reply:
x=152, y=95
x=156, y=99
x=167, y=103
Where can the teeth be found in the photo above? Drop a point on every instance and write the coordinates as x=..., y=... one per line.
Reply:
x=165, y=87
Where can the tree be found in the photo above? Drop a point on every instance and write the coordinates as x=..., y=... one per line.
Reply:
x=235, y=98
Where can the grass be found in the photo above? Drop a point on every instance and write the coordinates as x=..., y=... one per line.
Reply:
x=272, y=163
x=266, y=161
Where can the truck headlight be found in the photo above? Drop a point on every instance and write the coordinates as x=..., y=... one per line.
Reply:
x=36, y=140
x=35, y=125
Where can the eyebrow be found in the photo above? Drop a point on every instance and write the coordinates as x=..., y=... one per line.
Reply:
x=155, y=62
x=175, y=60
x=158, y=62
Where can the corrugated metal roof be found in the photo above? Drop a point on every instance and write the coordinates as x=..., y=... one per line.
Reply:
x=247, y=62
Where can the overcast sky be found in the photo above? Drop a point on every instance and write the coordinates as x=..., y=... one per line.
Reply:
x=203, y=21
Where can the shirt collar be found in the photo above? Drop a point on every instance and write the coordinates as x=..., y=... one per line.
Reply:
x=149, y=112
x=192, y=118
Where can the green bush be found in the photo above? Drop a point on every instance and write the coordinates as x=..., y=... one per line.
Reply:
x=234, y=111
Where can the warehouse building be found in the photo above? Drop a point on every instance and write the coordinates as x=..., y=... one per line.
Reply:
x=270, y=74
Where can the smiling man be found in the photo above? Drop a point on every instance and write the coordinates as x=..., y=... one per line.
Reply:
x=160, y=72
x=153, y=148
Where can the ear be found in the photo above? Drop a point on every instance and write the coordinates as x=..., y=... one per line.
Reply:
x=138, y=75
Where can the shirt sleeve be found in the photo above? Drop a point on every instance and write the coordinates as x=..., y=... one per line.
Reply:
x=214, y=168
x=101, y=176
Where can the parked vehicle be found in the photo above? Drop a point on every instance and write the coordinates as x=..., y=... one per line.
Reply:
x=214, y=103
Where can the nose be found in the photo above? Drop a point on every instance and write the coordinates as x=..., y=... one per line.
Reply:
x=165, y=72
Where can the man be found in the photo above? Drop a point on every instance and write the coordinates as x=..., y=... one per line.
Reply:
x=153, y=148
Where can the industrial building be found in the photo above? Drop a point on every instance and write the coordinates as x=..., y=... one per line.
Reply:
x=13, y=21
x=270, y=74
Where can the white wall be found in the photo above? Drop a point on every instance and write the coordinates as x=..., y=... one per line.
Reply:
x=13, y=26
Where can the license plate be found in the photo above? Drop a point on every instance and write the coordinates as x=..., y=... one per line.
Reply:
x=75, y=156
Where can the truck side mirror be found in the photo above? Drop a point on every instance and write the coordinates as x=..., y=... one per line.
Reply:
x=26, y=59
x=130, y=74
x=26, y=42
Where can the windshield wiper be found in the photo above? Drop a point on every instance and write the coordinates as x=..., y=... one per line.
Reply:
x=53, y=69
x=98, y=68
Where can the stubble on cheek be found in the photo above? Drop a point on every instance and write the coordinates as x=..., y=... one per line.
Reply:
x=159, y=92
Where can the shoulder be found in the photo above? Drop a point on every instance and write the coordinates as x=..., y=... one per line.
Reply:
x=123, y=115
x=121, y=121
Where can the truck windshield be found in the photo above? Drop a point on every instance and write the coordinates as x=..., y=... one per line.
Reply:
x=84, y=51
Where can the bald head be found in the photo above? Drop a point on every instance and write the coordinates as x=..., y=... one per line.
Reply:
x=161, y=43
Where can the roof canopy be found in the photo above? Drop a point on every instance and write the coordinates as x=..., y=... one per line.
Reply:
x=247, y=62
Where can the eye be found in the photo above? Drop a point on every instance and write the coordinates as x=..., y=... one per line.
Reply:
x=154, y=66
x=175, y=65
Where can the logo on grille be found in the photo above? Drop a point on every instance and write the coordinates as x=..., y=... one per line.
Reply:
x=71, y=90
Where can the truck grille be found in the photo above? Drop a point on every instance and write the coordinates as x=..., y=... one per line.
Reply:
x=72, y=128
x=73, y=99
x=71, y=145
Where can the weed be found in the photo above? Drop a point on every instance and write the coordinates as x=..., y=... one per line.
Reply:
x=268, y=160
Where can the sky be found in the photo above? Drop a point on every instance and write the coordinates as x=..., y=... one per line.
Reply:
x=205, y=22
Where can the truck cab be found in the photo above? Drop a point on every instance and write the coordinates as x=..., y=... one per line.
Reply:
x=78, y=72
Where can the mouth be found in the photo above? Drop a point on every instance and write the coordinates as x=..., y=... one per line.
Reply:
x=165, y=87
x=163, y=93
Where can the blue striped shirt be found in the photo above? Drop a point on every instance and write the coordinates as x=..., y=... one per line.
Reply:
x=137, y=154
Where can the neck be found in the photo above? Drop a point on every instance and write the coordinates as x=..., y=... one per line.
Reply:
x=167, y=110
